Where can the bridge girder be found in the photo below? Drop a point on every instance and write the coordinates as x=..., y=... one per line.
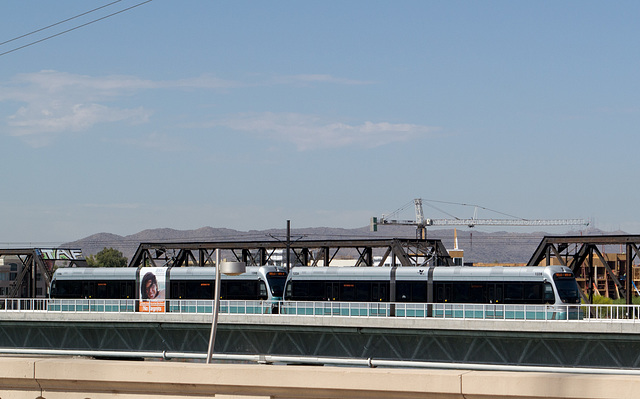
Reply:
x=578, y=252
x=409, y=252
x=35, y=261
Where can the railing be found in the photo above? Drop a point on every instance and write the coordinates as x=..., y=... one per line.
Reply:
x=435, y=310
x=605, y=313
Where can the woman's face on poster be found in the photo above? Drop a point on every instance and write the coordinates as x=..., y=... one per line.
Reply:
x=151, y=289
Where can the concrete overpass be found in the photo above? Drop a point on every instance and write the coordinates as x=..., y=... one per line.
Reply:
x=613, y=344
x=64, y=378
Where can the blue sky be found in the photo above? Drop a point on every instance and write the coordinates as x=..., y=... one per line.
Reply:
x=245, y=114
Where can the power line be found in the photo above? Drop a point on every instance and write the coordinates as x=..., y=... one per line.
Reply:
x=58, y=23
x=72, y=29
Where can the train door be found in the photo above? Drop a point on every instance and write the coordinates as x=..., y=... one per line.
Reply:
x=494, y=293
x=494, y=299
x=125, y=292
x=87, y=289
x=443, y=292
x=491, y=293
x=332, y=291
x=379, y=292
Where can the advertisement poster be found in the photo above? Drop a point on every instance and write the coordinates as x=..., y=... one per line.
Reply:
x=152, y=289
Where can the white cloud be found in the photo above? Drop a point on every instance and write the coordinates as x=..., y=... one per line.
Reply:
x=58, y=117
x=57, y=102
x=310, y=132
x=51, y=103
x=113, y=206
x=157, y=142
x=316, y=78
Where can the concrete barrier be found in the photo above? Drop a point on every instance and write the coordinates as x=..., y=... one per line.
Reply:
x=78, y=378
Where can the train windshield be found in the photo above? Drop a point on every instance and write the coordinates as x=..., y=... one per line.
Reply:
x=276, y=282
x=567, y=287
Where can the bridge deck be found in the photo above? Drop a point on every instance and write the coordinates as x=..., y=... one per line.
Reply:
x=547, y=343
x=600, y=326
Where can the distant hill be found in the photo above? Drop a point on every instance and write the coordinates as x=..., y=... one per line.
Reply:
x=479, y=247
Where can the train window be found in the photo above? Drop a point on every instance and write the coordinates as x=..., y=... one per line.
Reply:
x=315, y=291
x=460, y=292
x=262, y=290
x=567, y=288
x=532, y=293
x=347, y=292
x=239, y=289
x=403, y=291
x=196, y=289
x=363, y=292
x=419, y=292
x=477, y=293
x=355, y=291
x=411, y=291
x=199, y=289
x=102, y=290
x=513, y=292
x=276, y=282
x=288, y=291
x=305, y=291
x=548, y=293
x=67, y=289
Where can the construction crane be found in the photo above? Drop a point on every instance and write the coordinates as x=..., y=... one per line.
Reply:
x=421, y=223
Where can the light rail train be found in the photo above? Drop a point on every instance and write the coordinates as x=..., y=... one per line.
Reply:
x=156, y=286
x=549, y=292
x=499, y=292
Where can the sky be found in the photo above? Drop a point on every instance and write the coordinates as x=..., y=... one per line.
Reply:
x=246, y=114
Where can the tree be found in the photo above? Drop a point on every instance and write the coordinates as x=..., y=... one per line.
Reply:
x=108, y=257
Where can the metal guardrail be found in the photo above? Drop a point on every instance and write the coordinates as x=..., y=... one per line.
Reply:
x=609, y=313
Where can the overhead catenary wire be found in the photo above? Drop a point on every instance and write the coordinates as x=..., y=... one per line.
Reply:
x=71, y=29
x=58, y=23
x=463, y=204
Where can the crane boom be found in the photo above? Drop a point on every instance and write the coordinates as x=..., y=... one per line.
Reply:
x=421, y=222
x=486, y=222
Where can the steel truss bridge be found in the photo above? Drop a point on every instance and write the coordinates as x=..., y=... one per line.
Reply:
x=37, y=262
x=42, y=262
x=578, y=252
x=405, y=252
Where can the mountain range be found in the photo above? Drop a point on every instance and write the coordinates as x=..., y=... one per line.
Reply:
x=479, y=247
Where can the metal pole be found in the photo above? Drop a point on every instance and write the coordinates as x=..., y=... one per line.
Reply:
x=289, y=245
x=216, y=297
x=629, y=273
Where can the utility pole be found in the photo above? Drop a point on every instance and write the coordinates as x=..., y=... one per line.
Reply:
x=288, y=245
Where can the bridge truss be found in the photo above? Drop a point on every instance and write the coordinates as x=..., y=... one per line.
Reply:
x=582, y=253
x=400, y=251
x=37, y=266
